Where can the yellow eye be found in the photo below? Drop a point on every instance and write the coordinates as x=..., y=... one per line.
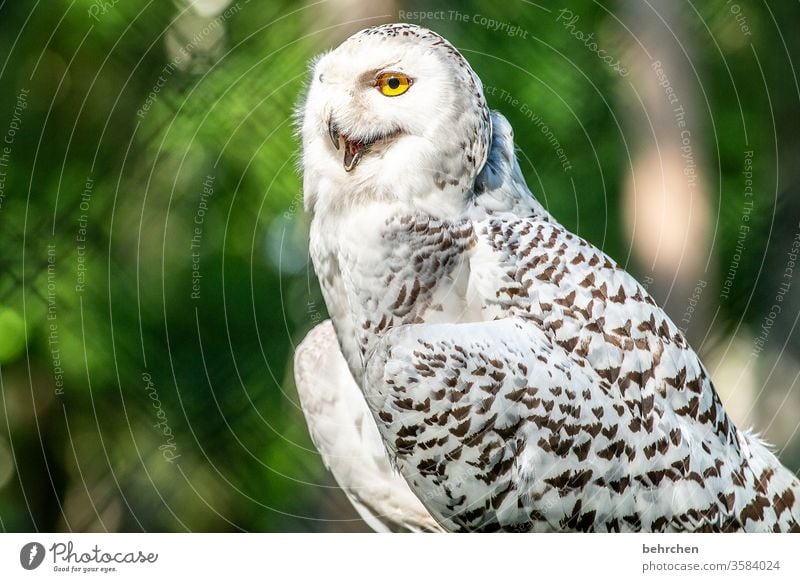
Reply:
x=392, y=84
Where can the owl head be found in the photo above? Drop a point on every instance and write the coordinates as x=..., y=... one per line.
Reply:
x=394, y=113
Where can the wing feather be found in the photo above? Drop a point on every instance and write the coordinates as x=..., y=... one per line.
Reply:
x=495, y=426
x=344, y=432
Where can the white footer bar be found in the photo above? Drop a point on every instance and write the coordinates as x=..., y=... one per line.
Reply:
x=388, y=558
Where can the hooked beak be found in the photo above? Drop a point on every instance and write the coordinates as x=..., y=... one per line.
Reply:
x=333, y=133
x=353, y=150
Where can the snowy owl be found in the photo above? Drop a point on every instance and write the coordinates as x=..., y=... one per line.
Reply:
x=520, y=379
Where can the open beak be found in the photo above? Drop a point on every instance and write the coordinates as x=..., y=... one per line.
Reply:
x=353, y=150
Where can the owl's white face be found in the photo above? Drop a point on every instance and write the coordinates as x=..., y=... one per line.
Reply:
x=393, y=113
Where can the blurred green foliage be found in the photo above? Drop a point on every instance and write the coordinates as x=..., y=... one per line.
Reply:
x=138, y=395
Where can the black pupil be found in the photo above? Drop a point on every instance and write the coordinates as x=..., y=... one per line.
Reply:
x=393, y=82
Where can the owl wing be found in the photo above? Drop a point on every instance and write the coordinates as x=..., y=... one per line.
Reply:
x=486, y=425
x=575, y=404
x=346, y=436
x=496, y=427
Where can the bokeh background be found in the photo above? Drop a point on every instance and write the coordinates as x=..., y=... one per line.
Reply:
x=154, y=277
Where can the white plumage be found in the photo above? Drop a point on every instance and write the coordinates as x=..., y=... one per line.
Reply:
x=346, y=437
x=519, y=378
